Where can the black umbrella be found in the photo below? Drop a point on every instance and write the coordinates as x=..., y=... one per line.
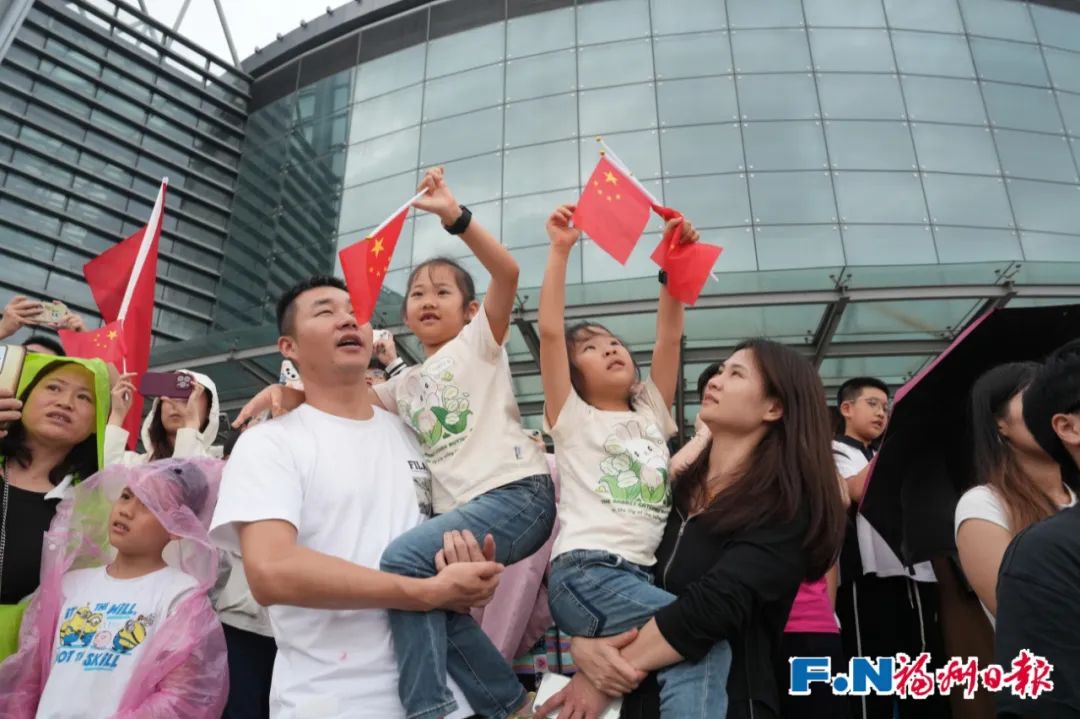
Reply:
x=925, y=463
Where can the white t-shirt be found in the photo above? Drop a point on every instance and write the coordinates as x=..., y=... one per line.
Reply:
x=460, y=402
x=982, y=502
x=103, y=625
x=613, y=468
x=350, y=488
x=877, y=556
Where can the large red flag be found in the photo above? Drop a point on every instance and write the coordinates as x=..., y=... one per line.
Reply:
x=365, y=264
x=687, y=265
x=613, y=210
x=122, y=281
x=105, y=343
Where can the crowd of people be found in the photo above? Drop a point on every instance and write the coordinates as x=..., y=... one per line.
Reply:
x=391, y=539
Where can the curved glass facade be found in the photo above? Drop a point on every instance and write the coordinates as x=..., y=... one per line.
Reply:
x=823, y=143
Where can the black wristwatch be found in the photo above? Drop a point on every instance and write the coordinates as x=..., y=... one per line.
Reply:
x=661, y=277
x=461, y=223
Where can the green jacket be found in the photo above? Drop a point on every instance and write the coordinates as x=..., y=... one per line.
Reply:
x=11, y=614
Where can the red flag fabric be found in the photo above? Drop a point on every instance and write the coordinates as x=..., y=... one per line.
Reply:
x=366, y=263
x=108, y=276
x=687, y=264
x=105, y=343
x=613, y=210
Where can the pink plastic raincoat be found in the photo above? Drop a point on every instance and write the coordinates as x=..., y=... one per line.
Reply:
x=183, y=672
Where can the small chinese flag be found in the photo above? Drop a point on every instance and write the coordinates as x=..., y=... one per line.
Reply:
x=613, y=210
x=688, y=265
x=365, y=264
x=106, y=343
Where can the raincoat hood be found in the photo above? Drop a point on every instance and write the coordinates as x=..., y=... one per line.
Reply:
x=206, y=436
x=182, y=495
x=36, y=363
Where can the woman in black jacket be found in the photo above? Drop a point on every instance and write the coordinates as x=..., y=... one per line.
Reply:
x=754, y=516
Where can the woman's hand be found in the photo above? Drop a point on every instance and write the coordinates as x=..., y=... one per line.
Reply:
x=439, y=200
x=10, y=411
x=71, y=321
x=562, y=235
x=385, y=349
x=19, y=313
x=123, y=394
x=684, y=227
x=601, y=662
x=577, y=700
x=192, y=408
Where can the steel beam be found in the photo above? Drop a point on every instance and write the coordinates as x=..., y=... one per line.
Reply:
x=826, y=330
x=264, y=376
x=532, y=340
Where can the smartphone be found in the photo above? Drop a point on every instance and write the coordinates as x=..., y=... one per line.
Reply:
x=51, y=313
x=383, y=335
x=177, y=385
x=11, y=366
x=288, y=375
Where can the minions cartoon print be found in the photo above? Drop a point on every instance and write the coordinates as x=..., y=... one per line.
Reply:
x=98, y=636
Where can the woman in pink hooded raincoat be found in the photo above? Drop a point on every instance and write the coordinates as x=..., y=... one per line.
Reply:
x=180, y=670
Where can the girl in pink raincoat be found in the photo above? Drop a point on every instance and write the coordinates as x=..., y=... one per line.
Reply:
x=121, y=625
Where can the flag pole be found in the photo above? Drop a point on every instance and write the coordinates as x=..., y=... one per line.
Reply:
x=397, y=212
x=144, y=249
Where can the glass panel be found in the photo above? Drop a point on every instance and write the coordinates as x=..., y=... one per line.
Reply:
x=1070, y=109
x=1057, y=26
x=770, y=50
x=461, y=51
x=549, y=118
x=540, y=32
x=861, y=97
x=1045, y=206
x=909, y=319
x=1050, y=248
x=707, y=99
x=950, y=148
x=541, y=75
x=618, y=108
x=1023, y=108
x=740, y=253
x=615, y=63
x=639, y=150
x=852, y=50
x=701, y=149
x=1009, y=62
x=939, y=100
x=389, y=72
x=474, y=133
x=962, y=244
x=783, y=248
x=791, y=197
x=431, y=240
x=1064, y=69
x=386, y=113
x=891, y=197
x=368, y=205
x=533, y=262
x=784, y=146
x=466, y=91
x=674, y=16
x=541, y=167
x=998, y=18
x=844, y=13
x=934, y=15
x=960, y=200
x=477, y=179
x=870, y=145
x=707, y=53
x=888, y=245
x=778, y=97
x=765, y=13
x=923, y=53
x=612, y=20
x=1035, y=156
x=524, y=217
x=716, y=201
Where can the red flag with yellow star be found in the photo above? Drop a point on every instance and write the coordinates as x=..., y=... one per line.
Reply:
x=613, y=210
x=366, y=263
x=106, y=343
x=687, y=265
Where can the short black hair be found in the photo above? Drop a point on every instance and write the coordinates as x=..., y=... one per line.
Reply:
x=707, y=374
x=1055, y=390
x=44, y=341
x=465, y=283
x=852, y=389
x=285, y=309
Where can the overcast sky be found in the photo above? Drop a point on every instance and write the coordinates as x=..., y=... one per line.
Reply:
x=252, y=22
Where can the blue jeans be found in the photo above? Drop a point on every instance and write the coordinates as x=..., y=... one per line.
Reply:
x=520, y=516
x=597, y=594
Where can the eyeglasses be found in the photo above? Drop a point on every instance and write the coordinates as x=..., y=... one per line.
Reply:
x=875, y=404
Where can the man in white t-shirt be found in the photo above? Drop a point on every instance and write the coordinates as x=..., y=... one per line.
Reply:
x=884, y=606
x=311, y=500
